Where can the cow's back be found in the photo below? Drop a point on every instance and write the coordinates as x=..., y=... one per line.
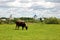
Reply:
x=20, y=23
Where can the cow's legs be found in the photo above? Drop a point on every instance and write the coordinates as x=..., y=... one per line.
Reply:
x=22, y=27
x=17, y=27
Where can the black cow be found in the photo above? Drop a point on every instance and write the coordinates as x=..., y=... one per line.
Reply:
x=21, y=24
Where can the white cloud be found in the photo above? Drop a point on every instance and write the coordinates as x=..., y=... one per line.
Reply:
x=25, y=1
x=45, y=4
x=4, y=1
x=15, y=3
x=38, y=0
x=56, y=1
x=18, y=4
x=26, y=5
x=23, y=8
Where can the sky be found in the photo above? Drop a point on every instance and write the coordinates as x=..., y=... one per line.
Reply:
x=28, y=8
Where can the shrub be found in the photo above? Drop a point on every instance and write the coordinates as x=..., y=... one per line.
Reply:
x=52, y=20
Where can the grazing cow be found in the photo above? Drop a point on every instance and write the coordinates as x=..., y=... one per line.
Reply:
x=22, y=24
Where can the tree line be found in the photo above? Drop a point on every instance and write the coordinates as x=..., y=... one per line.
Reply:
x=51, y=20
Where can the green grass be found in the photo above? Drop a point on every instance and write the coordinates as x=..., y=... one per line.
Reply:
x=36, y=31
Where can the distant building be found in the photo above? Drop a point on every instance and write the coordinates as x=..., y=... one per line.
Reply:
x=3, y=19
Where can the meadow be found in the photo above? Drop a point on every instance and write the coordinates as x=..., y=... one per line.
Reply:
x=36, y=31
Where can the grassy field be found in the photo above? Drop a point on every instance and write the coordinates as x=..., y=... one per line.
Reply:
x=36, y=31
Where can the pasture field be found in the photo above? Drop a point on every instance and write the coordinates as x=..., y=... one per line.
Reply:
x=36, y=31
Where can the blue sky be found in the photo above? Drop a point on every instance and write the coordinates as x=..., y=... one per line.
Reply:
x=28, y=8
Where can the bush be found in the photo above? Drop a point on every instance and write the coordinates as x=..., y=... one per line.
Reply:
x=52, y=20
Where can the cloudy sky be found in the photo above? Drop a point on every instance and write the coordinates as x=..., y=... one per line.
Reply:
x=28, y=8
